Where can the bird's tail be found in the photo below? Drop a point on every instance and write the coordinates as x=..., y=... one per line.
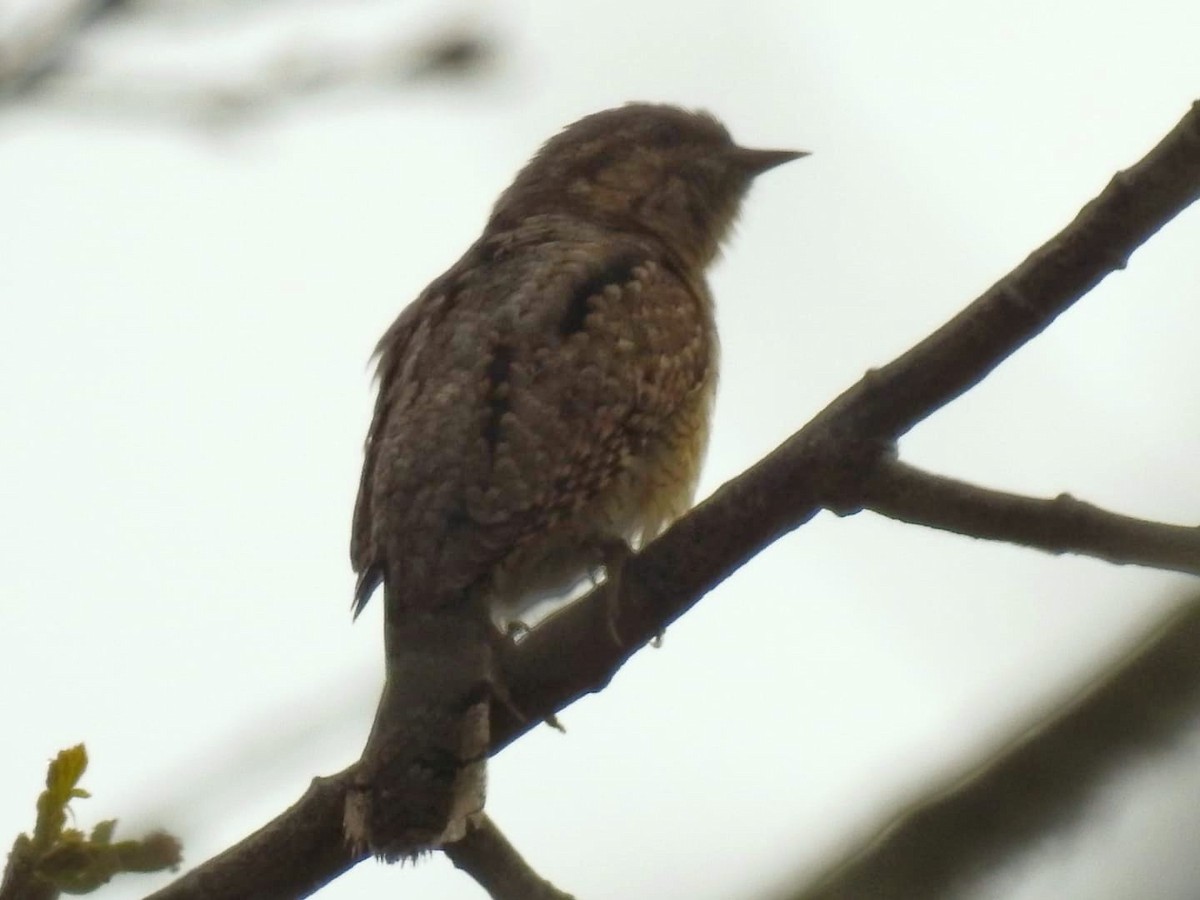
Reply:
x=423, y=773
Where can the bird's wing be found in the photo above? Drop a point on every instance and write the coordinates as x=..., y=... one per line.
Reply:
x=390, y=354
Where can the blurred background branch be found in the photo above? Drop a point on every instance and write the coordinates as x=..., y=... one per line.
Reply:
x=220, y=62
x=1145, y=702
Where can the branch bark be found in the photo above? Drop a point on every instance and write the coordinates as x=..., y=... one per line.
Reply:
x=30, y=53
x=825, y=464
x=486, y=855
x=20, y=881
x=1059, y=525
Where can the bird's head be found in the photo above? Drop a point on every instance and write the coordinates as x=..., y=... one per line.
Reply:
x=655, y=169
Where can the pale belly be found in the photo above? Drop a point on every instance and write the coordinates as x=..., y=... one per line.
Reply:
x=654, y=489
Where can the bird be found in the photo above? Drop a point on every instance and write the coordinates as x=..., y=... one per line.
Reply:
x=543, y=410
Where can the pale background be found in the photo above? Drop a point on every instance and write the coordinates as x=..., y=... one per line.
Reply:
x=186, y=315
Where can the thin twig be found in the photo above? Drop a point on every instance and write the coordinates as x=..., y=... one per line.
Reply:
x=288, y=73
x=1059, y=525
x=486, y=855
x=41, y=61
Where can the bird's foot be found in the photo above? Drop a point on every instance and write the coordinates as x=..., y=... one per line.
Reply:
x=614, y=554
x=505, y=642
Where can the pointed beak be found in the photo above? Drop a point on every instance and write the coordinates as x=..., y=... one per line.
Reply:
x=755, y=162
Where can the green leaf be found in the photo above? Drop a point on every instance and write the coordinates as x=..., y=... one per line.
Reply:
x=66, y=770
x=103, y=832
x=69, y=860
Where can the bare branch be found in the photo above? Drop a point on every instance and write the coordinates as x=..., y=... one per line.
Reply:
x=288, y=74
x=294, y=855
x=824, y=463
x=1136, y=203
x=486, y=855
x=1140, y=704
x=21, y=881
x=57, y=55
x=1060, y=525
x=36, y=47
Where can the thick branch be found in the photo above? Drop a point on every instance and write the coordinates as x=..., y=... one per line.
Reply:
x=21, y=881
x=573, y=654
x=1060, y=525
x=1136, y=203
x=937, y=846
x=487, y=856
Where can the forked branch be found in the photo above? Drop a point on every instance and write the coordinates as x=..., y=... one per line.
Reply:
x=833, y=462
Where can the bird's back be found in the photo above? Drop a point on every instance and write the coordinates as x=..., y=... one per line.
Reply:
x=550, y=390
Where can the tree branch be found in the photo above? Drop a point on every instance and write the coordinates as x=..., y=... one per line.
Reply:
x=42, y=42
x=1060, y=525
x=43, y=59
x=821, y=465
x=21, y=881
x=1040, y=782
x=486, y=855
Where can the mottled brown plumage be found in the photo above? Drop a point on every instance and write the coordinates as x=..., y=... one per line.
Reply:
x=545, y=397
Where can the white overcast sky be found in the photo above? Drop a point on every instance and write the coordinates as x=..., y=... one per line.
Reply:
x=185, y=322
